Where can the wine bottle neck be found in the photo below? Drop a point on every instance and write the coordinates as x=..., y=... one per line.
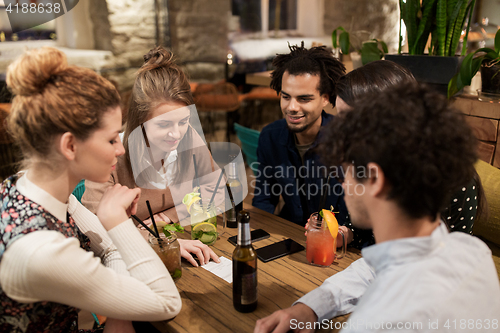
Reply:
x=244, y=234
x=231, y=172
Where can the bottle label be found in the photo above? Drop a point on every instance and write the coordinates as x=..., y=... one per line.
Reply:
x=248, y=288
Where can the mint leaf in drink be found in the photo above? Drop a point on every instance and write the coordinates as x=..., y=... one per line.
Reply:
x=169, y=229
x=177, y=274
x=179, y=228
x=197, y=234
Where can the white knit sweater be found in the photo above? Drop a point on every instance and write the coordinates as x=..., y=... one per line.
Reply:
x=124, y=280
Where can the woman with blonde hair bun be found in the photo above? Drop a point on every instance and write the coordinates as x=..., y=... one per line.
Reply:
x=55, y=255
x=160, y=138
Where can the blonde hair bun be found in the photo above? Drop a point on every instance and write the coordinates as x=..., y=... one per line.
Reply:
x=34, y=70
x=157, y=57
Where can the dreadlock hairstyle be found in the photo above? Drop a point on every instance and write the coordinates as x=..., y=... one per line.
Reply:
x=315, y=61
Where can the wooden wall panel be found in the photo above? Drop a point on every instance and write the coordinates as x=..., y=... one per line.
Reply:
x=484, y=129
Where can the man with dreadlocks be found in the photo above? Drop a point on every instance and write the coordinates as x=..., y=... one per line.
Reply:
x=288, y=166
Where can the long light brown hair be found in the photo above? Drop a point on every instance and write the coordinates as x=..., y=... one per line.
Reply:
x=159, y=80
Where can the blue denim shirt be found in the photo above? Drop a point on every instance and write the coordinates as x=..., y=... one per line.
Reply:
x=281, y=172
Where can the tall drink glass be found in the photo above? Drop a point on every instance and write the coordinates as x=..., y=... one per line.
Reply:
x=321, y=247
x=204, y=226
x=169, y=251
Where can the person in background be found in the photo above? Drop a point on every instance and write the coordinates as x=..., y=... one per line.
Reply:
x=305, y=79
x=55, y=255
x=417, y=273
x=467, y=203
x=159, y=106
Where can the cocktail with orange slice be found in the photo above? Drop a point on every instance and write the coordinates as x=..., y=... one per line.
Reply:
x=321, y=247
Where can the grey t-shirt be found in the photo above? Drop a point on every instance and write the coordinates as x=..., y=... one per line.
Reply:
x=302, y=149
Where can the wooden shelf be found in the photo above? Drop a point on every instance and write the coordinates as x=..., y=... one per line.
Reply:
x=484, y=118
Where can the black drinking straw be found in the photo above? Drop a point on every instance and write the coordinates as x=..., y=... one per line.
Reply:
x=147, y=143
x=197, y=179
x=216, y=187
x=152, y=219
x=323, y=198
x=144, y=225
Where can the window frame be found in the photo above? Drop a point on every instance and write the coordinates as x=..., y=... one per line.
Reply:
x=309, y=21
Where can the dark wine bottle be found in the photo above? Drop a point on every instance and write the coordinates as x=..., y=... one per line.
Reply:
x=244, y=267
x=235, y=204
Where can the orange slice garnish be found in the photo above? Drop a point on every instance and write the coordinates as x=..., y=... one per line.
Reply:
x=331, y=222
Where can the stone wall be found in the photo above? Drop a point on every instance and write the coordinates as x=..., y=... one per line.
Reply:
x=127, y=28
x=379, y=17
x=198, y=31
x=199, y=36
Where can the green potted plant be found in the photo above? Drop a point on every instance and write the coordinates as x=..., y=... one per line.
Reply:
x=368, y=50
x=486, y=59
x=443, y=22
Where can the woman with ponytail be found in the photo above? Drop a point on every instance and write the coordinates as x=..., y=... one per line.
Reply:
x=160, y=140
x=55, y=255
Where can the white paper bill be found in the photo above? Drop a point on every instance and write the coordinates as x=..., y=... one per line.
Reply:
x=224, y=269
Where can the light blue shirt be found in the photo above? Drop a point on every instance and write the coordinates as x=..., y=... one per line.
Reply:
x=441, y=283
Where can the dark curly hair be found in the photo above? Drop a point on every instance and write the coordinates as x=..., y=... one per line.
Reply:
x=315, y=61
x=423, y=145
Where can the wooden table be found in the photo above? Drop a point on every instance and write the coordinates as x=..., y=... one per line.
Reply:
x=207, y=304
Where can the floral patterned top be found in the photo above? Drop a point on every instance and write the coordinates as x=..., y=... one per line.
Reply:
x=20, y=216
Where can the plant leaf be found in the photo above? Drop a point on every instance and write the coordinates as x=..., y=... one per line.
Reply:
x=424, y=27
x=466, y=69
x=453, y=86
x=334, y=36
x=385, y=49
x=497, y=42
x=456, y=32
x=344, y=42
x=370, y=52
x=470, y=9
x=409, y=13
x=452, y=12
x=490, y=54
x=441, y=26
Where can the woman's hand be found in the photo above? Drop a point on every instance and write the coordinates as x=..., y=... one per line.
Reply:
x=117, y=204
x=203, y=252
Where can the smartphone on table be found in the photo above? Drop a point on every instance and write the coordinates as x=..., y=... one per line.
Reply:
x=278, y=250
x=255, y=235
